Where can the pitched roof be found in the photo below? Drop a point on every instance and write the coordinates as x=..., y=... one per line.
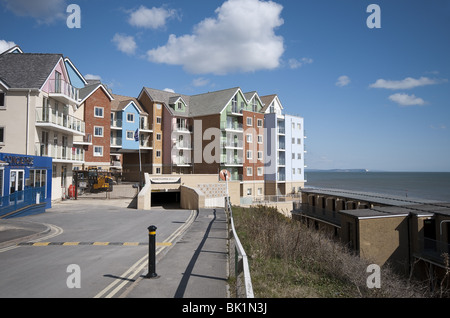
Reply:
x=120, y=102
x=212, y=102
x=169, y=98
x=267, y=100
x=27, y=70
x=86, y=91
x=197, y=105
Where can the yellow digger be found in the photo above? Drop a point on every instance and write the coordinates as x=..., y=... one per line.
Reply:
x=99, y=180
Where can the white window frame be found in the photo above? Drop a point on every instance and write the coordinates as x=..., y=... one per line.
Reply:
x=102, y=111
x=249, y=154
x=128, y=120
x=259, y=122
x=260, y=139
x=259, y=171
x=101, y=129
x=96, y=153
x=249, y=121
x=158, y=153
x=158, y=137
x=132, y=135
x=249, y=138
x=260, y=155
x=249, y=171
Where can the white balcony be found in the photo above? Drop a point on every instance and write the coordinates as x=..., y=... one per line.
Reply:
x=182, y=145
x=233, y=144
x=181, y=161
x=63, y=92
x=60, y=153
x=182, y=128
x=49, y=118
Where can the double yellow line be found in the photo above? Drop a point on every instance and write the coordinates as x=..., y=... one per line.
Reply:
x=113, y=288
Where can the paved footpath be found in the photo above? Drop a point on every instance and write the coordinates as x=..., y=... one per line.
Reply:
x=194, y=267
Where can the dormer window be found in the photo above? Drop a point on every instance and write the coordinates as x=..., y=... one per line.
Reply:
x=179, y=106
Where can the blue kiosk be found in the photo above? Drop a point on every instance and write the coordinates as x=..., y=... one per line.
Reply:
x=25, y=185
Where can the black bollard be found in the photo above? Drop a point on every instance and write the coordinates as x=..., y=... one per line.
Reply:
x=151, y=252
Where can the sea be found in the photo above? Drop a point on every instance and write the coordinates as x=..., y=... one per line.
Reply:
x=412, y=185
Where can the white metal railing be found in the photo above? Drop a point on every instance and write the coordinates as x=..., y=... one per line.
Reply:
x=244, y=287
x=50, y=115
x=62, y=87
x=59, y=152
x=232, y=143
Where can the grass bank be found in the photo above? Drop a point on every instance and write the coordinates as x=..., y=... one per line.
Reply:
x=289, y=260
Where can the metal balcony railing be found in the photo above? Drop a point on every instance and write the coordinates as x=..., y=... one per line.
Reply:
x=64, y=88
x=50, y=116
x=59, y=152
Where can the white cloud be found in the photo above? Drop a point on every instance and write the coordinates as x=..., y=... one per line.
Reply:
x=6, y=45
x=406, y=83
x=92, y=77
x=125, y=43
x=240, y=38
x=200, y=82
x=407, y=100
x=151, y=18
x=343, y=80
x=44, y=11
x=294, y=63
x=169, y=90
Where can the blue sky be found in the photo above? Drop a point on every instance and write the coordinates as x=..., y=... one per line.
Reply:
x=374, y=98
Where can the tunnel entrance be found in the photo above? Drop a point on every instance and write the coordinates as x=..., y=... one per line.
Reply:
x=166, y=200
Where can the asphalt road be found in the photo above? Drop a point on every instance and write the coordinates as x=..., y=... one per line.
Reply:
x=93, y=249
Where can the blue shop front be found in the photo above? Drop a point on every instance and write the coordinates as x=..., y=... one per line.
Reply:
x=25, y=185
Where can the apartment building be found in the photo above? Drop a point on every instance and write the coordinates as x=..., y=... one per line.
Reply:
x=253, y=161
x=284, y=149
x=38, y=107
x=175, y=130
x=95, y=109
x=131, y=136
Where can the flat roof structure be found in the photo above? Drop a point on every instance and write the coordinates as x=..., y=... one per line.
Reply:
x=373, y=197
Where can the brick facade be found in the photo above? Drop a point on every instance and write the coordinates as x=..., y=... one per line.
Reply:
x=101, y=100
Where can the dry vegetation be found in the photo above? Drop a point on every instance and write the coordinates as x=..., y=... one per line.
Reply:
x=288, y=260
